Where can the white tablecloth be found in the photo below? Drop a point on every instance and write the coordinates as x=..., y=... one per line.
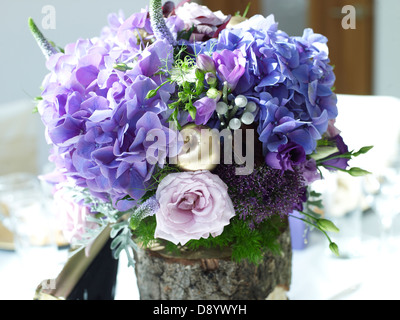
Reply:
x=316, y=273
x=364, y=120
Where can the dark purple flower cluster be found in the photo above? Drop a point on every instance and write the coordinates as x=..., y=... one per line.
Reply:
x=264, y=193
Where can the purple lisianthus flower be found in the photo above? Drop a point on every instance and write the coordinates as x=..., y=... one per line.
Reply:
x=205, y=63
x=287, y=157
x=309, y=171
x=230, y=66
x=333, y=135
x=205, y=108
x=340, y=163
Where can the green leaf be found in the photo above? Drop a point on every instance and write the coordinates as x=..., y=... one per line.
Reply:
x=246, y=10
x=199, y=74
x=192, y=110
x=185, y=34
x=327, y=225
x=317, y=203
x=314, y=193
x=115, y=243
x=334, y=248
x=199, y=86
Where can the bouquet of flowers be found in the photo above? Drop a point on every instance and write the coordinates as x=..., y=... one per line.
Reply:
x=192, y=128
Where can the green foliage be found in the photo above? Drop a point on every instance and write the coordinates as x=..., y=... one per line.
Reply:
x=122, y=241
x=143, y=232
x=323, y=225
x=245, y=243
x=187, y=77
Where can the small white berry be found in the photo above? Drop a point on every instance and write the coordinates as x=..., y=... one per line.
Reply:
x=222, y=107
x=235, y=124
x=251, y=106
x=240, y=101
x=247, y=118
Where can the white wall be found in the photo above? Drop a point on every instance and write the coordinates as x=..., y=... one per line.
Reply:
x=387, y=48
x=290, y=14
x=22, y=68
x=21, y=62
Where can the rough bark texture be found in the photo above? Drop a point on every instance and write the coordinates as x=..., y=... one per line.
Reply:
x=211, y=275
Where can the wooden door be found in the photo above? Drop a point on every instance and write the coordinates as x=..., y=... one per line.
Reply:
x=351, y=50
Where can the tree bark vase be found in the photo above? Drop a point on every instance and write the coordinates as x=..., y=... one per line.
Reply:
x=212, y=275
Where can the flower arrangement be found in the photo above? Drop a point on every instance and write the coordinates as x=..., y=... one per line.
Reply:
x=148, y=123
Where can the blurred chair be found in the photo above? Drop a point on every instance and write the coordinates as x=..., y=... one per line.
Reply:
x=22, y=139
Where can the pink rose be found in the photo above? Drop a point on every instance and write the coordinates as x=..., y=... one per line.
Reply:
x=71, y=216
x=193, y=205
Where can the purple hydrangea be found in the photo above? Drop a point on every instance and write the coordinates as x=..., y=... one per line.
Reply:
x=97, y=113
x=289, y=77
x=97, y=116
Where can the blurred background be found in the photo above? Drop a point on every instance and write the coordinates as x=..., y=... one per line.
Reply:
x=366, y=66
x=365, y=58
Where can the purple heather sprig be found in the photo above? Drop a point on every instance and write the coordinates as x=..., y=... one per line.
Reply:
x=264, y=193
x=46, y=47
x=160, y=29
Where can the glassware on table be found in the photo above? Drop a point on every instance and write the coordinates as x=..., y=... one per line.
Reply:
x=387, y=204
x=343, y=206
x=23, y=212
x=26, y=213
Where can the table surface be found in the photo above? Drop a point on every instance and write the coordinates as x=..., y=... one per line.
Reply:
x=316, y=273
